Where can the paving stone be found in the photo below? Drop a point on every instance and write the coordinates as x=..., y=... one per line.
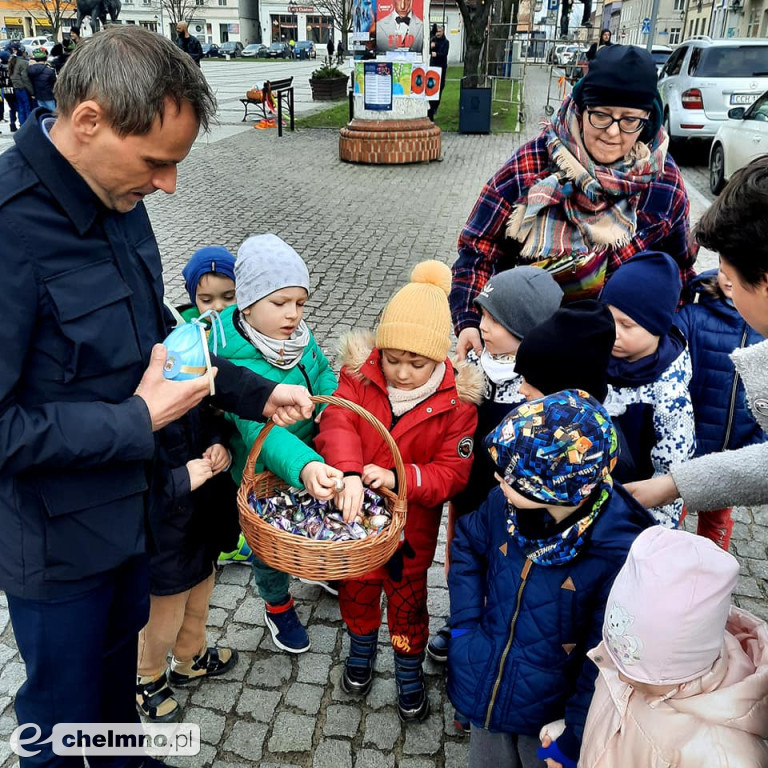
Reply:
x=250, y=611
x=217, y=695
x=271, y=672
x=242, y=575
x=305, y=697
x=204, y=757
x=292, y=733
x=211, y=723
x=244, y=638
x=750, y=548
x=342, y=720
x=258, y=704
x=369, y=758
x=748, y=587
x=413, y=762
x=14, y=673
x=246, y=740
x=383, y=693
x=323, y=637
x=314, y=668
x=456, y=754
x=382, y=729
x=332, y=752
x=7, y=652
x=217, y=617
x=227, y=595
x=327, y=609
x=423, y=738
x=7, y=725
x=758, y=607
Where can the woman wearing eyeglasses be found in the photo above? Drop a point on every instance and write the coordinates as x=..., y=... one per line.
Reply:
x=593, y=189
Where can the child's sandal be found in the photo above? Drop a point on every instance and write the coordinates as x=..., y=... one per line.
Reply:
x=214, y=662
x=154, y=700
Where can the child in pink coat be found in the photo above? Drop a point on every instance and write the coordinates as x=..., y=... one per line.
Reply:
x=683, y=677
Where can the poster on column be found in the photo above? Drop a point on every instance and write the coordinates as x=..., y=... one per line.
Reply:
x=377, y=88
x=432, y=77
x=400, y=25
x=401, y=78
x=363, y=19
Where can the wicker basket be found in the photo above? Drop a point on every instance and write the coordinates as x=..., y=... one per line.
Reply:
x=320, y=560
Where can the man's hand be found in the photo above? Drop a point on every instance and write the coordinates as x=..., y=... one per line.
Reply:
x=320, y=479
x=219, y=457
x=168, y=400
x=288, y=404
x=655, y=492
x=350, y=500
x=468, y=339
x=199, y=472
x=375, y=476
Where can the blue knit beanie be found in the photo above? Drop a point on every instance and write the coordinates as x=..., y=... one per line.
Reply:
x=555, y=450
x=647, y=288
x=212, y=259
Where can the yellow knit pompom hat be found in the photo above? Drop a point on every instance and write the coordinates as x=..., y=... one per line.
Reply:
x=418, y=318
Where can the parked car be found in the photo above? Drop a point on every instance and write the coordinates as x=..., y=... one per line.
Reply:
x=555, y=51
x=233, y=49
x=704, y=78
x=30, y=43
x=212, y=51
x=578, y=68
x=279, y=51
x=255, y=51
x=568, y=55
x=304, y=45
x=739, y=140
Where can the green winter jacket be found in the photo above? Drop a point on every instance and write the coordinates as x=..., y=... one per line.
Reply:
x=286, y=450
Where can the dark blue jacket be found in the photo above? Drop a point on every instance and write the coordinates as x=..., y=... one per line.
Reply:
x=714, y=329
x=81, y=294
x=523, y=664
x=43, y=79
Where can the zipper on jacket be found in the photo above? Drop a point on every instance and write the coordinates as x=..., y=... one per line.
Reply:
x=524, y=576
x=306, y=378
x=734, y=387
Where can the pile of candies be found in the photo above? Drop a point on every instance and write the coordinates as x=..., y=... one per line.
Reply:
x=299, y=513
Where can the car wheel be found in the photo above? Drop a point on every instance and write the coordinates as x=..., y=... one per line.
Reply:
x=673, y=140
x=716, y=170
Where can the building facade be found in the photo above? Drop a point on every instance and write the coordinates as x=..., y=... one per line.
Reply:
x=635, y=18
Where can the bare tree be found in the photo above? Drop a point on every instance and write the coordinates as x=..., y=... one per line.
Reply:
x=341, y=13
x=54, y=11
x=475, y=14
x=179, y=10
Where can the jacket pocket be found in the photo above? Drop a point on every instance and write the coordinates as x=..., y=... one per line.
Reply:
x=470, y=661
x=92, y=306
x=95, y=520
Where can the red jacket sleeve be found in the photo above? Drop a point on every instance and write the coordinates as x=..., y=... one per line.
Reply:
x=448, y=473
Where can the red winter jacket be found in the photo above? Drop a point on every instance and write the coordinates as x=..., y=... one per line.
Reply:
x=434, y=438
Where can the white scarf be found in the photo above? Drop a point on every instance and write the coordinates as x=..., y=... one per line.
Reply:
x=498, y=368
x=402, y=400
x=282, y=353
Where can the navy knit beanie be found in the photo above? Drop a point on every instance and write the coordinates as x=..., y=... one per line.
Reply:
x=647, y=288
x=619, y=76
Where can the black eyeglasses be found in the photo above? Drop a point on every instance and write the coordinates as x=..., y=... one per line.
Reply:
x=627, y=124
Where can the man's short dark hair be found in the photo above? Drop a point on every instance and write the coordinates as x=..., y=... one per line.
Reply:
x=74, y=30
x=736, y=224
x=131, y=72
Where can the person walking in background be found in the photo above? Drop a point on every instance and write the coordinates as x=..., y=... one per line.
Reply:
x=74, y=34
x=18, y=69
x=189, y=43
x=339, y=52
x=43, y=78
x=331, y=49
x=6, y=89
x=438, y=57
x=605, y=40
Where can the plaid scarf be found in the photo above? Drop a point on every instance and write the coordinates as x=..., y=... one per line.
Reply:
x=581, y=206
x=565, y=545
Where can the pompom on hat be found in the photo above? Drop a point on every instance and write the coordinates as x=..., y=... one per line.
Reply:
x=418, y=318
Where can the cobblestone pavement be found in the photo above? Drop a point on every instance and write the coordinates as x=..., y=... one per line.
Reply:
x=360, y=230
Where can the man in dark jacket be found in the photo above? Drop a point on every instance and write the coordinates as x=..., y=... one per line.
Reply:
x=43, y=79
x=438, y=57
x=188, y=43
x=78, y=401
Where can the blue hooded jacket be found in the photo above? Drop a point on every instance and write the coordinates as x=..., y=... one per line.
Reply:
x=523, y=662
x=714, y=329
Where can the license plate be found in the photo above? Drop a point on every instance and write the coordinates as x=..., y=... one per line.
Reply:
x=743, y=98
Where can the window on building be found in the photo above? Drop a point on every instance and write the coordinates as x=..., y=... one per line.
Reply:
x=674, y=35
x=285, y=27
x=222, y=2
x=150, y=25
x=679, y=5
x=753, y=27
x=319, y=29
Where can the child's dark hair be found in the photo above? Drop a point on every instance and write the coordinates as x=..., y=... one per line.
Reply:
x=735, y=225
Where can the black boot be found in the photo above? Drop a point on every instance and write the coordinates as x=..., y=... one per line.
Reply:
x=412, y=701
x=358, y=670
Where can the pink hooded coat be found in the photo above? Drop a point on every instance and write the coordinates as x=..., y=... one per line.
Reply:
x=718, y=720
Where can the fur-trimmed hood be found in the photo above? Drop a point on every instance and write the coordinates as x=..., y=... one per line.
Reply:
x=355, y=348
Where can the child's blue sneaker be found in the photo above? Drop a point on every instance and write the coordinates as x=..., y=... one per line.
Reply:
x=287, y=631
x=242, y=555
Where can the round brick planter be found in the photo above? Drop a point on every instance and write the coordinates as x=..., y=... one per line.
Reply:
x=328, y=88
x=390, y=142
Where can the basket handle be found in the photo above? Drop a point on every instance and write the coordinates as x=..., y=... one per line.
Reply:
x=258, y=443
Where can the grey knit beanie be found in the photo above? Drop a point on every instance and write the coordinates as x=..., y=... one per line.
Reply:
x=521, y=298
x=265, y=264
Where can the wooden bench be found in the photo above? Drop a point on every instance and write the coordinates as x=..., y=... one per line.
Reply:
x=281, y=89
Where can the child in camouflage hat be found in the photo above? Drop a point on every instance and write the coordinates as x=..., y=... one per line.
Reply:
x=530, y=574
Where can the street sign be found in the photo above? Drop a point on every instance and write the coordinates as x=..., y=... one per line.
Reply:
x=646, y=27
x=553, y=5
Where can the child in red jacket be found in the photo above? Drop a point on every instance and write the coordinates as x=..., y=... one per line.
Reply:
x=407, y=382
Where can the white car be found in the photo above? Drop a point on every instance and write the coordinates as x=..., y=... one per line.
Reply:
x=568, y=55
x=31, y=43
x=704, y=78
x=742, y=138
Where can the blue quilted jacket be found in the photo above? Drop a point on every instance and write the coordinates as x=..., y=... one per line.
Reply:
x=714, y=329
x=523, y=663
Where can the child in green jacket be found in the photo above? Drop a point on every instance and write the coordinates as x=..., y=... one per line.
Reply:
x=265, y=332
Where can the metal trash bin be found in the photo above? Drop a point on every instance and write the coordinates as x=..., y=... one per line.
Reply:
x=474, y=105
